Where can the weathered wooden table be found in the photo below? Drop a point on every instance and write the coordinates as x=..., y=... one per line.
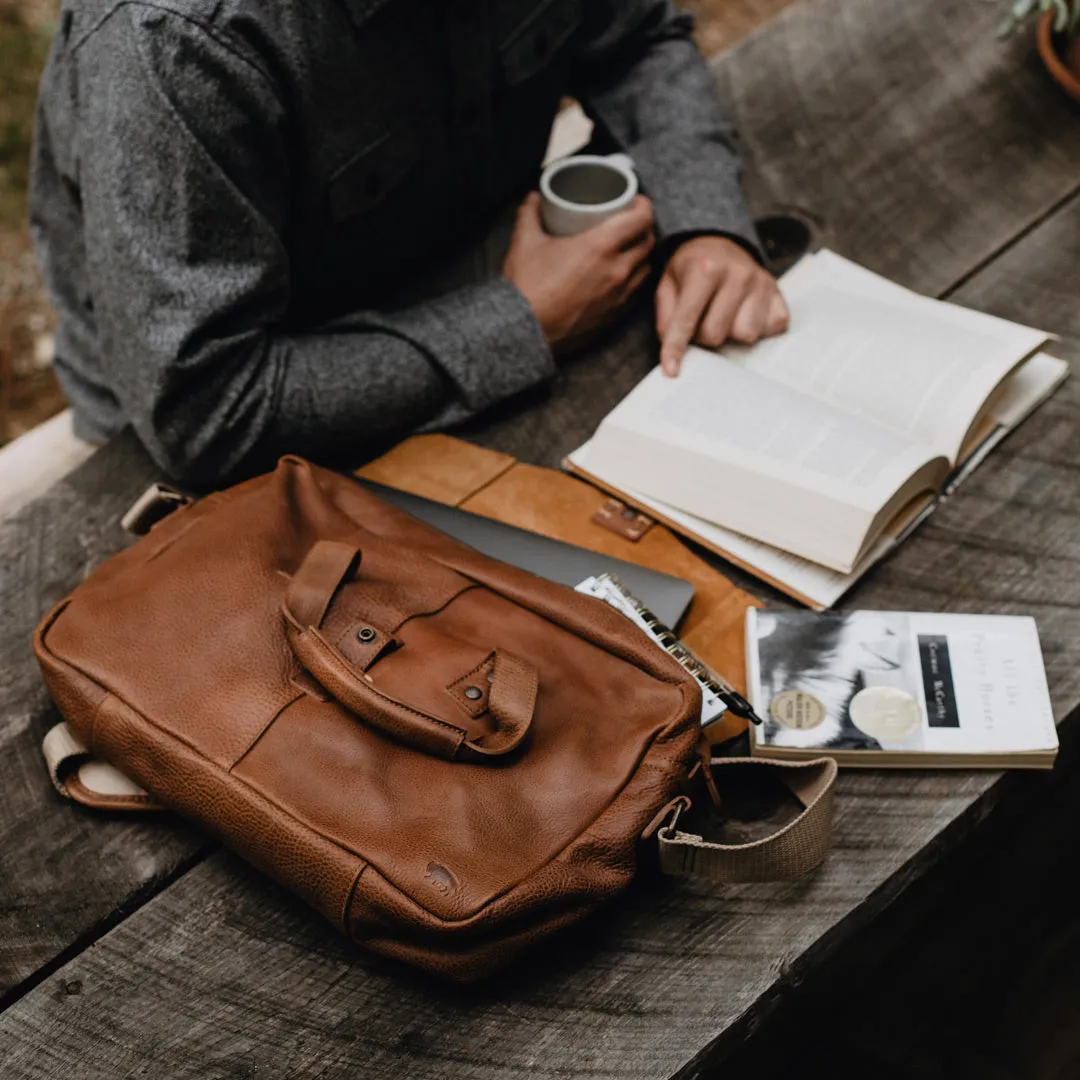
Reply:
x=915, y=143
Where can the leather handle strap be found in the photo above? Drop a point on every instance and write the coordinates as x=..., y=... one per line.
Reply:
x=511, y=698
x=790, y=852
x=323, y=571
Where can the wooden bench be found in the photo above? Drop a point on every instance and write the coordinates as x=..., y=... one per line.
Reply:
x=911, y=140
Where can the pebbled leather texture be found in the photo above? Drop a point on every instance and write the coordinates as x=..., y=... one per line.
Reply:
x=175, y=661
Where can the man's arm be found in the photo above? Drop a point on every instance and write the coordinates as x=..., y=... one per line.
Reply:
x=185, y=185
x=641, y=78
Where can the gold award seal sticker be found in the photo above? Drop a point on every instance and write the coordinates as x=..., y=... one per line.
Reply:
x=885, y=712
x=797, y=709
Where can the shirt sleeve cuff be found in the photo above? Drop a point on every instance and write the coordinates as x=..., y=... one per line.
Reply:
x=485, y=338
x=695, y=191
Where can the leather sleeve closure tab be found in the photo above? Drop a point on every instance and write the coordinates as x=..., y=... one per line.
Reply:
x=622, y=520
x=473, y=689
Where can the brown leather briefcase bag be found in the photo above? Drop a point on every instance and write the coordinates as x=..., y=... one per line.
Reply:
x=447, y=757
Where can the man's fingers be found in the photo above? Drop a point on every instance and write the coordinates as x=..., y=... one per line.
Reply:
x=666, y=293
x=528, y=219
x=725, y=305
x=748, y=325
x=621, y=228
x=645, y=240
x=776, y=322
x=628, y=263
x=635, y=281
x=689, y=305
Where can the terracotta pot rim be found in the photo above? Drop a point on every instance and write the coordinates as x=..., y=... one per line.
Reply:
x=1052, y=59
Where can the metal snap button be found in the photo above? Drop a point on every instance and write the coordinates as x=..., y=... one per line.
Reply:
x=365, y=633
x=473, y=693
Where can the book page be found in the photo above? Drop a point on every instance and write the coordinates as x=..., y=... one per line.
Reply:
x=754, y=456
x=920, y=367
x=1021, y=394
x=809, y=582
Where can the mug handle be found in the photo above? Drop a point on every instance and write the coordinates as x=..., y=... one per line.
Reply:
x=625, y=160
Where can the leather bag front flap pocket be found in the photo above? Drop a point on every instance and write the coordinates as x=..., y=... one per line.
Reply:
x=532, y=45
x=346, y=607
x=367, y=178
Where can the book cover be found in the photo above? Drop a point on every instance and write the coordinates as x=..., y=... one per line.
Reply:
x=903, y=689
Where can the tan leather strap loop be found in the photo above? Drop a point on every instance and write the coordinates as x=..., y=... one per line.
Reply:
x=81, y=778
x=511, y=699
x=788, y=853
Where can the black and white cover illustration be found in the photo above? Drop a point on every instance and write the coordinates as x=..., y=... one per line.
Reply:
x=898, y=681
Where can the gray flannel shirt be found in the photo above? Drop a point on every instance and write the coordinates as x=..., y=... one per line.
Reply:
x=251, y=214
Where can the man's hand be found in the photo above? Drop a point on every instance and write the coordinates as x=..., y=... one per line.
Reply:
x=576, y=283
x=713, y=290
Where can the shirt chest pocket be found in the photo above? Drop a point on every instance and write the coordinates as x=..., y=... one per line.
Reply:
x=538, y=36
x=367, y=179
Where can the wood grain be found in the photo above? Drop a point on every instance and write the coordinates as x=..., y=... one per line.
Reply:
x=673, y=977
x=925, y=148
x=64, y=872
x=635, y=993
x=918, y=141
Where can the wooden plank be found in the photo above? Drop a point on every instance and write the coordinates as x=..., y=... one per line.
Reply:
x=192, y=983
x=635, y=993
x=918, y=141
x=65, y=872
x=673, y=977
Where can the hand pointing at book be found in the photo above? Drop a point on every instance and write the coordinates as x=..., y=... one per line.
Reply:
x=712, y=290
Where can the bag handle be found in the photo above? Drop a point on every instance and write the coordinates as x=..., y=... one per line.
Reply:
x=511, y=696
x=791, y=851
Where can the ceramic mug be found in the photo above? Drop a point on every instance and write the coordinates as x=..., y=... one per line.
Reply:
x=581, y=191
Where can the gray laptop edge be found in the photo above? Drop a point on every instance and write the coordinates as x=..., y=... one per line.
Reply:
x=665, y=596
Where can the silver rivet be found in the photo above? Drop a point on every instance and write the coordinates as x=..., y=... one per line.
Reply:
x=473, y=693
x=365, y=633
x=491, y=675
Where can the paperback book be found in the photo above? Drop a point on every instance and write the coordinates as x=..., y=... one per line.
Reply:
x=899, y=688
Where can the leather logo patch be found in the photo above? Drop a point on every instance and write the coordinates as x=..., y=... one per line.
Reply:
x=440, y=879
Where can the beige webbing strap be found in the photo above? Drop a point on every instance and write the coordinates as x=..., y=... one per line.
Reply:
x=78, y=776
x=791, y=851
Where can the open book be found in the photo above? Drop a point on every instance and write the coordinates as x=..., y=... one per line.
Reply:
x=806, y=457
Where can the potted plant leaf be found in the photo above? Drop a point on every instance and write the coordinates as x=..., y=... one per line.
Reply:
x=1058, y=37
